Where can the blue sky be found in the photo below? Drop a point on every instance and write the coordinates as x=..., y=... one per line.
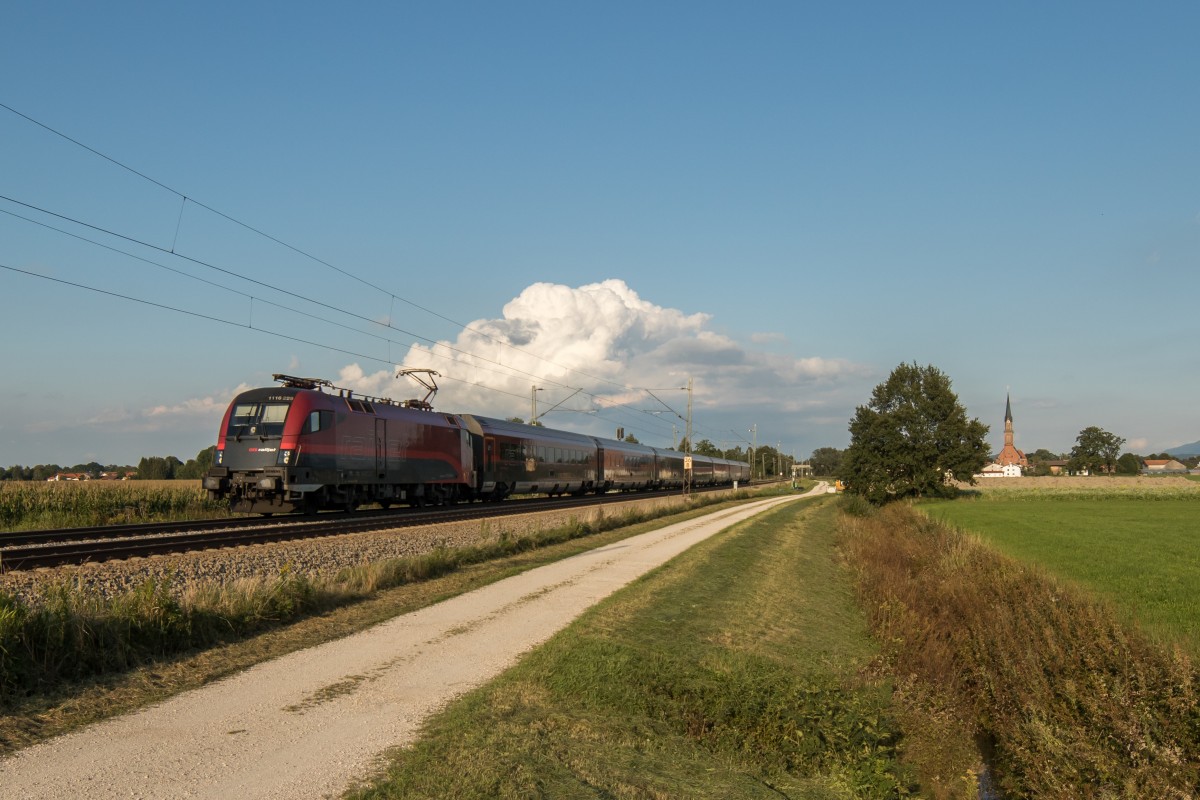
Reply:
x=782, y=201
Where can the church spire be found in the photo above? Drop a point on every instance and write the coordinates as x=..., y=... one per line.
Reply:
x=1010, y=454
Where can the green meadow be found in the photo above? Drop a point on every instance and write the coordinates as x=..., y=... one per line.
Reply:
x=1142, y=554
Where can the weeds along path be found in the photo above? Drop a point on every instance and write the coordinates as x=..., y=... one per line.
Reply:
x=312, y=723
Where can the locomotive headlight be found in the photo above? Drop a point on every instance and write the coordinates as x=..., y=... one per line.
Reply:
x=284, y=458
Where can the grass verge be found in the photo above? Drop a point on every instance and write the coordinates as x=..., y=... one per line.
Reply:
x=1074, y=703
x=736, y=670
x=77, y=658
x=1140, y=554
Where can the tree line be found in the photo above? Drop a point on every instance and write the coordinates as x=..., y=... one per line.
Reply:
x=148, y=468
x=913, y=439
x=1094, y=454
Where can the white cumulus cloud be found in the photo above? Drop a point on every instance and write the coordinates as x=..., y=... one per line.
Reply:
x=210, y=406
x=607, y=340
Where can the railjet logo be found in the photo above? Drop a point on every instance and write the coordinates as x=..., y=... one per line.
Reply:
x=262, y=449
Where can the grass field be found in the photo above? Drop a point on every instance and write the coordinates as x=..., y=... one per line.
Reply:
x=1142, y=554
x=736, y=670
x=28, y=505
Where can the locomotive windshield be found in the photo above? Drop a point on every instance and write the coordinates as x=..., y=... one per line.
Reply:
x=257, y=419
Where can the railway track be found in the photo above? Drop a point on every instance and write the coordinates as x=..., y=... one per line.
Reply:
x=58, y=547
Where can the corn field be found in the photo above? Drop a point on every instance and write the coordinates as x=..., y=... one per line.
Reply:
x=26, y=505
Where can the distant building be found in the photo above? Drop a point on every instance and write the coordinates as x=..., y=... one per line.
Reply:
x=998, y=470
x=1010, y=455
x=1163, y=466
x=70, y=476
x=1011, y=462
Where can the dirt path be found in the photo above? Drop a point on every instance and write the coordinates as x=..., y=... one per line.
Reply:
x=311, y=723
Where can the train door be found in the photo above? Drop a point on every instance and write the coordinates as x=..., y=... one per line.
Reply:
x=380, y=447
x=487, y=481
x=468, y=458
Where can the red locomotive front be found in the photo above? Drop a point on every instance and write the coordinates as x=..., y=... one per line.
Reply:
x=300, y=447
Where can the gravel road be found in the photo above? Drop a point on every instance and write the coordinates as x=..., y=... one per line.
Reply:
x=309, y=724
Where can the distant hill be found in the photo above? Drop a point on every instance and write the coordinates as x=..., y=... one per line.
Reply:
x=1192, y=449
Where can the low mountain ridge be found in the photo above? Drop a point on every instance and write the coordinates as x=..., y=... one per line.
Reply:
x=1192, y=449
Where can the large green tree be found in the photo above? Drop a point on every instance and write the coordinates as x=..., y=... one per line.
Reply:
x=910, y=437
x=152, y=468
x=198, y=466
x=1095, y=450
x=825, y=460
x=1129, y=464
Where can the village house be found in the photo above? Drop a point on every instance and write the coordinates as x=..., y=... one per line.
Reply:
x=998, y=470
x=1163, y=466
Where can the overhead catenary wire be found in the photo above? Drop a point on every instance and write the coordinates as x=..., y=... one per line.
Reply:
x=199, y=262
x=259, y=329
x=509, y=371
x=263, y=284
x=233, y=220
x=185, y=199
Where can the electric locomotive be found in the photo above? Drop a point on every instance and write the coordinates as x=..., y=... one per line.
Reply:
x=300, y=448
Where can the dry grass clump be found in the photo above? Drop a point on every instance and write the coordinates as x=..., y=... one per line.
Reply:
x=1073, y=704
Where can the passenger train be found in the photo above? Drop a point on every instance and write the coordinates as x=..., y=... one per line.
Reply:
x=307, y=445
